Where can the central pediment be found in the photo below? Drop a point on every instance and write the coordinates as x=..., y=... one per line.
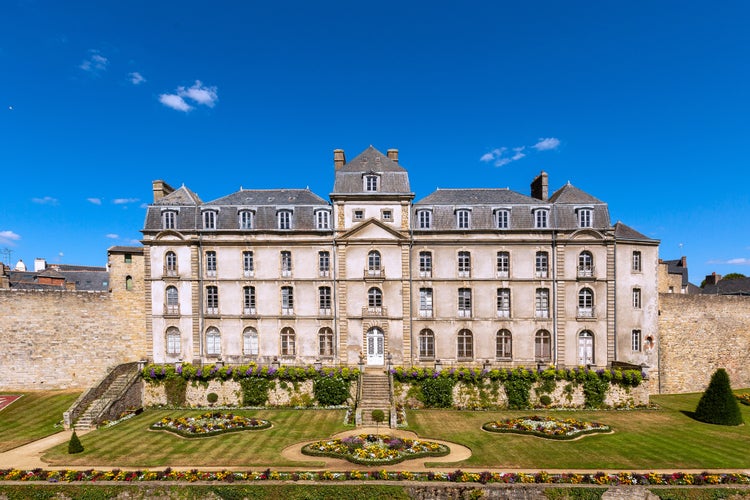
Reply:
x=373, y=230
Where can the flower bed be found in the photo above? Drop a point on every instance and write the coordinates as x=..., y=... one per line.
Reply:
x=744, y=398
x=486, y=477
x=209, y=424
x=546, y=427
x=371, y=449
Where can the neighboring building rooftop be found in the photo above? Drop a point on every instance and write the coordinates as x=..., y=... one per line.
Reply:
x=735, y=286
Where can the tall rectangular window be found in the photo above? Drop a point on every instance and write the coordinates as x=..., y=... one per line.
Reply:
x=503, y=302
x=324, y=299
x=463, y=219
x=212, y=300
x=248, y=263
x=541, y=218
x=502, y=219
x=464, y=302
x=424, y=219
x=503, y=264
x=247, y=219
x=287, y=300
x=286, y=263
x=542, y=303
x=324, y=263
x=464, y=264
x=248, y=299
x=636, y=261
x=371, y=183
x=211, y=263
x=542, y=264
x=322, y=219
x=635, y=340
x=284, y=219
x=425, y=302
x=169, y=219
x=425, y=264
x=585, y=217
x=636, y=298
x=209, y=219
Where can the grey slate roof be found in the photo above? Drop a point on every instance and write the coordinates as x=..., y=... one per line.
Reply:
x=623, y=232
x=269, y=197
x=393, y=178
x=125, y=249
x=571, y=194
x=86, y=278
x=676, y=267
x=180, y=197
x=738, y=286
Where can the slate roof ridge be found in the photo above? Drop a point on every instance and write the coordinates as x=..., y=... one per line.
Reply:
x=458, y=195
x=386, y=164
x=571, y=194
x=180, y=196
x=625, y=232
x=312, y=198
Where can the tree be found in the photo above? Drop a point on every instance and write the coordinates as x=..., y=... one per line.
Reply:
x=734, y=276
x=718, y=405
x=74, y=445
x=379, y=417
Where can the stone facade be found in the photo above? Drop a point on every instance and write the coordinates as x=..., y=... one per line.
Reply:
x=71, y=339
x=700, y=333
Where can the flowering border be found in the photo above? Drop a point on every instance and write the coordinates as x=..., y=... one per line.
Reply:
x=520, y=426
x=248, y=424
x=744, y=398
x=310, y=449
x=155, y=373
x=542, y=477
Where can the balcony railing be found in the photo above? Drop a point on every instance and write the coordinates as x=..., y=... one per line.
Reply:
x=375, y=273
x=586, y=271
x=585, y=312
x=374, y=311
x=425, y=313
x=172, y=310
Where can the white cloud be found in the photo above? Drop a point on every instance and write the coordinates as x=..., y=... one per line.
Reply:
x=124, y=201
x=95, y=64
x=175, y=102
x=198, y=94
x=546, y=144
x=134, y=242
x=8, y=238
x=113, y=236
x=95, y=201
x=740, y=261
x=518, y=153
x=136, y=78
x=47, y=200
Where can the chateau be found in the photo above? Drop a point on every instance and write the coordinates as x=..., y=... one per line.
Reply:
x=463, y=276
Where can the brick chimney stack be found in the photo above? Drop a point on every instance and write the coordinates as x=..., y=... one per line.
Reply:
x=393, y=154
x=713, y=278
x=339, y=158
x=161, y=189
x=540, y=187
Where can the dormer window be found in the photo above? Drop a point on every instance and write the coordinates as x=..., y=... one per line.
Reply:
x=372, y=183
x=502, y=218
x=284, y=219
x=424, y=219
x=585, y=216
x=322, y=219
x=209, y=219
x=247, y=219
x=169, y=219
x=541, y=218
x=463, y=218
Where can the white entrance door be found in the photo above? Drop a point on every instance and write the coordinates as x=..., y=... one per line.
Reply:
x=586, y=348
x=375, y=347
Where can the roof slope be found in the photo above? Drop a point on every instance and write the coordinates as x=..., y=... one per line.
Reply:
x=393, y=178
x=256, y=197
x=487, y=196
x=571, y=194
x=180, y=197
x=623, y=232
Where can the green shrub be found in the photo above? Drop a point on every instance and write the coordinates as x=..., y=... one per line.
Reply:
x=255, y=391
x=74, y=445
x=437, y=392
x=175, y=389
x=718, y=404
x=212, y=397
x=517, y=390
x=594, y=392
x=545, y=400
x=331, y=391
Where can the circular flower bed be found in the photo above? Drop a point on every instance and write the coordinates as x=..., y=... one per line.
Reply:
x=209, y=424
x=371, y=449
x=546, y=427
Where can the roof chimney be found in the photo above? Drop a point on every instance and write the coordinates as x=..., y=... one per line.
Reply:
x=39, y=265
x=713, y=278
x=339, y=158
x=540, y=187
x=683, y=261
x=393, y=154
x=161, y=189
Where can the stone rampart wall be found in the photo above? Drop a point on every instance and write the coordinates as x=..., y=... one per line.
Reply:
x=698, y=334
x=66, y=339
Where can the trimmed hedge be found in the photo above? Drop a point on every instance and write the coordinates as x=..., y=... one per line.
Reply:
x=155, y=373
x=718, y=405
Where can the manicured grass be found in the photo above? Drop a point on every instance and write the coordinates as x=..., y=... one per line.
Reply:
x=643, y=439
x=33, y=416
x=132, y=444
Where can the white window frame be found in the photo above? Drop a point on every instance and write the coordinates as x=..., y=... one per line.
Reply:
x=285, y=257
x=371, y=183
x=212, y=299
x=503, y=264
x=288, y=344
x=248, y=263
x=324, y=263
x=502, y=218
x=172, y=300
x=426, y=341
x=585, y=217
x=374, y=263
x=325, y=300
x=464, y=264
x=637, y=298
x=210, y=219
x=541, y=303
x=285, y=219
x=425, y=302
x=504, y=344
x=213, y=341
x=463, y=218
x=465, y=344
x=464, y=302
x=248, y=300
x=287, y=300
x=424, y=219
x=169, y=219
x=246, y=219
x=637, y=262
x=636, y=341
x=211, y=263
x=503, y=302
x=425, y=264
x=541, y=218
x=543, y=346
x=585, y=264
x=586, y=303
x=541, y=264
x=375, y=299
x=170, y=264
x=173, y=341
x=326, y=345
x=322, y=219
x=250, y=342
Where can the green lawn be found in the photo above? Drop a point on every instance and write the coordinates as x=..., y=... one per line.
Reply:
x=33, y=416
x=643, y=439
x=131, y=443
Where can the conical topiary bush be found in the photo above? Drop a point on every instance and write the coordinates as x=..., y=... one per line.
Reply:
x=74, y=445
x=718, y=404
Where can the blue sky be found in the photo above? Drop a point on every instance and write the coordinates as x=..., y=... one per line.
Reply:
x=642, y=104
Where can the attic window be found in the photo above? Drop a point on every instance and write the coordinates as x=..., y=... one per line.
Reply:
x=209, y=219
x=387, y=215
x=168, y=219
x=541, y=218
x=359, y=214
x=371, y=183
x=128, y=258
x=585, y=216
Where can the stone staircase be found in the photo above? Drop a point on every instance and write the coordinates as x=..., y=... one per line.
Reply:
x=93, y=406
x=376, y=395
